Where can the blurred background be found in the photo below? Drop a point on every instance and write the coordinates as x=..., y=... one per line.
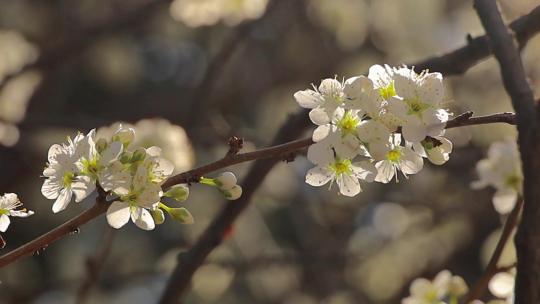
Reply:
x=191, y=73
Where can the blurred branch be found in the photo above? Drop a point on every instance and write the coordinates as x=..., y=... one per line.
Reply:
x=492, y=268
x=94, y=265
x=459, y=61
x=527, y=239
x=201, y=96
x=69, y=47
x=266, y=159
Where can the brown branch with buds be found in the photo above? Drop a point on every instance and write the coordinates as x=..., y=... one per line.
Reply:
x=279, y=151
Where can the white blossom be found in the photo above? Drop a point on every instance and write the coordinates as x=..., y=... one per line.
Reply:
x=9, y=202
x=342, y=171
x=417, y=104
x=437, y=149
x=501, y=170
x=63, y=175
x=444, y=285
x=396, y=158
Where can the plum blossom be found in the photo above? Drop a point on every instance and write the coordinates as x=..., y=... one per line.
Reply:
x=9, y=202
x=342, y=171
x=63, y=173
x=444, y=286
x=501, y=170
x=417, y=104
x=396, y=158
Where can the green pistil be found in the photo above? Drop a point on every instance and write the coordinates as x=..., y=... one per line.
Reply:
x=4, y=211
x=348, y=123
x=341, y=166
x=90, y=167
x=416, y=107
x=394, y=155
x=68, y=178
x=513, y=182
x=430, y=143
x=388, y=91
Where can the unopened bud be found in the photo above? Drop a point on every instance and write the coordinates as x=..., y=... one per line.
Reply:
x=158, y=216
x=101, y=145
x=226, y=181
x=181, y=215
x=124, y=135
x=233, y=193
x=138, y=155
x=179, y=193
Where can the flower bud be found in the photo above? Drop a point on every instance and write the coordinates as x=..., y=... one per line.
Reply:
x=158, y=216
x=181, y=215
x=138, y=155
x=179, y=193
x=226, y=181
x=233, y=193
x=124, y=135
x=101, y=145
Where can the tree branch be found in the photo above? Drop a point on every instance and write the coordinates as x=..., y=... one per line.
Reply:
x=459, y=61
x=492, y=268
x=513, y=75
x=46, y=239
x=276, y=152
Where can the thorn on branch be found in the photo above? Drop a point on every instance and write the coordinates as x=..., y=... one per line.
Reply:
x=235, y=145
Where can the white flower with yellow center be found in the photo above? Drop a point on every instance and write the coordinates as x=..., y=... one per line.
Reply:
x=143, y=195
x=343, y=171
x=501, y=170
x=417, y=104
x=340, y=132
x=437, y=149
x=64, y=178
x=395, y=158
x=8, y=203
x=443, y=285
x=324, y=100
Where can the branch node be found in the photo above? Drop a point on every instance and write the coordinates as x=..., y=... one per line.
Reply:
x=235, y=145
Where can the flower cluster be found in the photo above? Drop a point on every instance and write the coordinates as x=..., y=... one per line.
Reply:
x=501, y=170
x=393, y=118
x=445, y=288
x=131, y=176
x=9, y=203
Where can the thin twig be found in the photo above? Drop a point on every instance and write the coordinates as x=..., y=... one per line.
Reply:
x=478, y=289
x=527, y=239
x=94, y=266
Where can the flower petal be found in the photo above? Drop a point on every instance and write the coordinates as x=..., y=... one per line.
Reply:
x=385, y=171
x=51, y=188
x=142, y=218
x=308, y=99
x=504, y=200
x=4, y=222
x=111, y=153
x=348, y=185
x=82, y=186
x=319, y=116
x=320, y=133
x=411, y=162
x=318, y=176
x=118, y=214
x=62, y=201
x=365, y=170
x=414, y=132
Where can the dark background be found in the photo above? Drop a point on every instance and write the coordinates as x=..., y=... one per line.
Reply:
x=76, y=65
